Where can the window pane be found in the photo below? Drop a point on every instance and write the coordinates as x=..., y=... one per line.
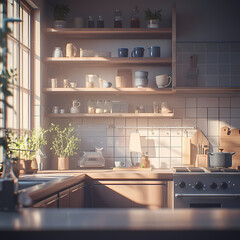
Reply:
x=16, y=15
x=25, y=70
x=25, y=110
x=25, y=28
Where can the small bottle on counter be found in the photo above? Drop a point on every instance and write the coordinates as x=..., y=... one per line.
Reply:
x=90, y=22
x=117, y=18
x=100, y=22
x=135, y=22
x=145, y=163
x=91, y=107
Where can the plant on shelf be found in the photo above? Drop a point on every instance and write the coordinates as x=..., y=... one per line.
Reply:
x=153, y=18
x=65, y=144
x=60, y=13
x=27, y=146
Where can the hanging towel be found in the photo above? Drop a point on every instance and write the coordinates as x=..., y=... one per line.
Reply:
x=135, y=143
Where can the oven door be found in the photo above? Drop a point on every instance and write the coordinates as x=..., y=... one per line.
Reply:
x=206, y=200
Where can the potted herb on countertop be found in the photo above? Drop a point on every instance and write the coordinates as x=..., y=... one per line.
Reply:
x=60, y=13
x=65, y=144
x=27, y=146
x=153, y=18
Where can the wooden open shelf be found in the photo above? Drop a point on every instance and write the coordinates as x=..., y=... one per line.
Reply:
x=115, y=91
x=205, y=90
x=111, y=33
x=110, y=115
x=113, y=60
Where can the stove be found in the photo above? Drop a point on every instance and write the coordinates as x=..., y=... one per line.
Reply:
x=206, y=187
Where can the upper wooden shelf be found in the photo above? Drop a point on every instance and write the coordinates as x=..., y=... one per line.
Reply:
x=117, y=91
x=205, y=90
x=112, y=33
x=113, y=60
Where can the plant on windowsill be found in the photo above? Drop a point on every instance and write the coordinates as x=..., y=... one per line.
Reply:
x=65, y=144
x=5, y=88
x=153, y=18
x=27, y=147
x=60, y=13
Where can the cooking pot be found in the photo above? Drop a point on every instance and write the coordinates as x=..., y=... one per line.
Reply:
x=220, y=159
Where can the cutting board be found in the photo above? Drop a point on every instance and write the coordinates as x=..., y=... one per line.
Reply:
x=230, y=142
x=197, y=139
x=186, y=153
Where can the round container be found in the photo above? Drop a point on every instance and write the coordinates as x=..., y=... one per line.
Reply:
x=220, y=159
x=141, y=74
x=140, y=82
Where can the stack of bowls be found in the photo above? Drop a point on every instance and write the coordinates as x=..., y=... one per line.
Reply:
x=141, y=79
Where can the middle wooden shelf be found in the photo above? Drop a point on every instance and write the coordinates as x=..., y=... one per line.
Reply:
x=110, y=61
x=113, y=91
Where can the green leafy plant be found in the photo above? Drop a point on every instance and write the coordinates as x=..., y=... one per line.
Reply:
x=157, y=14
x=60, y=11
x=65, y=144
x=28, y=145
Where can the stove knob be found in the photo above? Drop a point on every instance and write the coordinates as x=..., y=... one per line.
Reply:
x=182, y=184
x=213, y=185
x=224, y=185
x=198, y=185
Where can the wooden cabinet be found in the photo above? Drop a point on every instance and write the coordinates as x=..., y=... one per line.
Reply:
x=76, y=198
x=50, y=202
x=129, y=194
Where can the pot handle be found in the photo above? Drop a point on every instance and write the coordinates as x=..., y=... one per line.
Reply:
x=232, y=153
x=210, y=153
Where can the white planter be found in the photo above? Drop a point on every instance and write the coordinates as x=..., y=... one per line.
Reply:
x=63, y=163
x=154, y=23
x=60, y=23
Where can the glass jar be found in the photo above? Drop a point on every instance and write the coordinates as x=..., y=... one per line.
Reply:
x=100, y=22
x=135, y=23
x=99, y=107
x=117, y=18
x=91, y=106
x=107, y=106
x=90, y=22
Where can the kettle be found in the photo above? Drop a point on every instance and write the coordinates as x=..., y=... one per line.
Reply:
x=75, y=106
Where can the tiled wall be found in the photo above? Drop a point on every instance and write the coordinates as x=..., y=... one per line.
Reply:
x=164, y=144
x=218, y=64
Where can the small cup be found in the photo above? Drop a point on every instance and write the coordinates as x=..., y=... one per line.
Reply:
x=61, y=110
x=53, y=82
x=154, y=51
x=119, y=164
x=65, y=83
x=138, y=52
x=123, y=52
x=55, y=109
x=73, y=85
x=163, y=80
x=107, y=84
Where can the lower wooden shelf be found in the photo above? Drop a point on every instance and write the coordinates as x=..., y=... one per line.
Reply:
x=111, y=115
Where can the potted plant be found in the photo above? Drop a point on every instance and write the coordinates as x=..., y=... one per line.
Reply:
x=65, y=144
x=27, y=146
x=153, y=18
x=60, y=13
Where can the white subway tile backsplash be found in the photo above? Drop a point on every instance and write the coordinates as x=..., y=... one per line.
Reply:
x=213, y=113
x=119, y=141
x=165, y=152
x=191, y=102
x=165, y=141
x=191, y=113
x=224, y=122
x=153, y=152
x=165, y=162
x=201, y=112
x=165, y=132
x=153, y=141
x=176, y=141
x=214, y=141
x=202, y=124
x=176, y=152
x=131, y=122
x=213, y=127
x=235, y=102
x=225, y=112
x=235, y=112
x=176, y=162
x=207, y=102
x=119, y=152
x=179, y=112
x=154, y=162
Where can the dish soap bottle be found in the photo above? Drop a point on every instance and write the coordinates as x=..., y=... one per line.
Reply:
x=143, y=161
x=146, y=162
x=135, y=23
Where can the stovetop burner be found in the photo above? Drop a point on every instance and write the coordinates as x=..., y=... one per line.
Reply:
x=208, y=170
x=188, y=169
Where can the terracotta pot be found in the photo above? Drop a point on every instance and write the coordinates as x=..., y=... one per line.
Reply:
x=27, y=164
x=63, y=163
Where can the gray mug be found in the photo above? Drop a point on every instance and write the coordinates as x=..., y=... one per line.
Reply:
x=154, y=51
x=138, y=52
x=123, y=52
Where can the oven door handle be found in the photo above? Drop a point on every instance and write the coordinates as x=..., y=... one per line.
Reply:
x=179, y=195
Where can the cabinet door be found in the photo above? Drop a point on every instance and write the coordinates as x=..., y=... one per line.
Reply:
x=77, y=196
x=64, y=199
x=51, y=202
x=137, y=194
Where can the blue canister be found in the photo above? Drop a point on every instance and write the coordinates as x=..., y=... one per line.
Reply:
x=138, y=52
x=154, y=51
x=123, y=52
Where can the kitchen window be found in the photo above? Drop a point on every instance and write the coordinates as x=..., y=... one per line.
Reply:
x=19, y=59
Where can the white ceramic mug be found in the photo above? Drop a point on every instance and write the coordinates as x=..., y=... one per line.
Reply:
x=61, y=110
x=119, y=164
x=163, y=80
x=71, y=50
x=55, y=109
x=73, y=85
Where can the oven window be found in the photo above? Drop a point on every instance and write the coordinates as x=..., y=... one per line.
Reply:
x=205, y=205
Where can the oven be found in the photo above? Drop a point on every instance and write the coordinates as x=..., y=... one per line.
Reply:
x=193, y=189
